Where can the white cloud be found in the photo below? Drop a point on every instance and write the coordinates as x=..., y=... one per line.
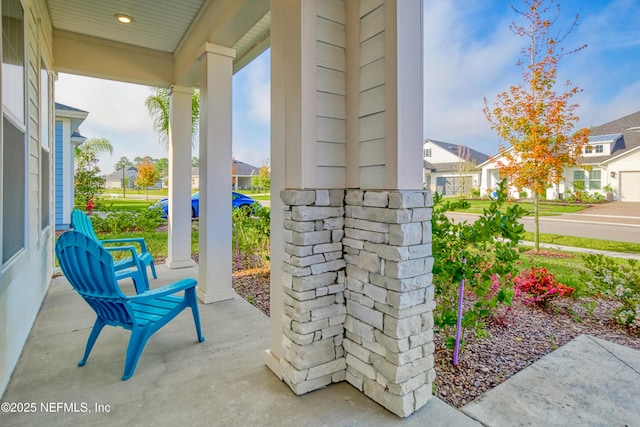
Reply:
x=461, y=69
x=117, y=112
x=258, y=89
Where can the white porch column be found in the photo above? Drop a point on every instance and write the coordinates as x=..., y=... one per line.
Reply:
x=179, y=255
x=215, y=173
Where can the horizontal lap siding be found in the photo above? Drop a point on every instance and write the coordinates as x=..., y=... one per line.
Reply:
x=33, y=81
x=331, y=91
x=372, y=101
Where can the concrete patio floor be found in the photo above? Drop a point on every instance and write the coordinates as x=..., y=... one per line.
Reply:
x=178, y=381
x=224, y=382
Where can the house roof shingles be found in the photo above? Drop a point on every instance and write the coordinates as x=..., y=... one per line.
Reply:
x=627, y=126
x=242, y=169
x=474, y=155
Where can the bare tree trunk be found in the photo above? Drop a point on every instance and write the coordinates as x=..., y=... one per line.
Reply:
x=536, y=221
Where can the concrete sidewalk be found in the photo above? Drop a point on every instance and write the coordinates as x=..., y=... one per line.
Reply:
x=224, y=382
x=587, y=382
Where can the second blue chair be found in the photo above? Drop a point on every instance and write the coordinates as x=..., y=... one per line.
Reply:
x=123, y=267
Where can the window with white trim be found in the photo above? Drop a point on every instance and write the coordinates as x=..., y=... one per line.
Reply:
x=427, y=152
x=13, y=131
x=578, y=178
x=595, y=179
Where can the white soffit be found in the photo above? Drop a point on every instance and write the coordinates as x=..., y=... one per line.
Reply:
x=157, y=24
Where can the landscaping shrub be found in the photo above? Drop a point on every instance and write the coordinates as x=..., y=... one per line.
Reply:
x=123, y=221
x=482, y=253
x=251, y=235
x=539, y=286
x=611, y=279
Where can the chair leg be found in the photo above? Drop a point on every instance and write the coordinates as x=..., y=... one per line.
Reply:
x=153, y=270
x=137, y=341
x=190, y=295
x=93, y=336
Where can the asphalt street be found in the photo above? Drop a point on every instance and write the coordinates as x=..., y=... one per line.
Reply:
x=613, y=221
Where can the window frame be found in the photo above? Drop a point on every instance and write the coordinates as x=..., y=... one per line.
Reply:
x=583, y=179
x=46, y=211
x=21, y=126
x=592, y=180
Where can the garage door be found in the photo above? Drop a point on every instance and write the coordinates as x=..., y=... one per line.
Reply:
x=452, y=186
x=630, y=186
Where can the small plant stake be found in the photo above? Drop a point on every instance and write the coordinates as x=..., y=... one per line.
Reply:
x=459, y=327
x=235, y=231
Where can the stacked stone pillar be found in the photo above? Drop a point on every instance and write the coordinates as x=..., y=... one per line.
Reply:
x=389, y=296
x=314, y=283
x=358, y=294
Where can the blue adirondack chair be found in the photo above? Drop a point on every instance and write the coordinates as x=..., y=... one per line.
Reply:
x=89, y=269
x=82, y=223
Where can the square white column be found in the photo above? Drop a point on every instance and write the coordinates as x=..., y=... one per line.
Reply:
x=216, y=71
x=179, y=218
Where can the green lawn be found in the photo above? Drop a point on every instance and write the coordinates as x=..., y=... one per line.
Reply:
x=111, y=205
x=131, y=191
x=546, y=208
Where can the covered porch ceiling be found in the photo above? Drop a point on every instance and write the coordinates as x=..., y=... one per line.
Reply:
x=162, y=45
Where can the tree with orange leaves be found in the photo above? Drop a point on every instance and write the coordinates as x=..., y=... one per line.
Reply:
x=532, y=118
x=147, y=176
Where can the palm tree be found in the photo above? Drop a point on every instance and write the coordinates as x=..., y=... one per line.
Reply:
x=158, y=107
x=97, y=146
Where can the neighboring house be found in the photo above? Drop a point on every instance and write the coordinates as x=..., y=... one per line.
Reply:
x=611, y=158
x=451, y=169
x=242, y=178
x=67, y=138
x=243, y=175
x=114, y=180
x=195, y=178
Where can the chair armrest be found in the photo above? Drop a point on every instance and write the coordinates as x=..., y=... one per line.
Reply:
x=139, y=240
x=173, y=288
x=132, y=249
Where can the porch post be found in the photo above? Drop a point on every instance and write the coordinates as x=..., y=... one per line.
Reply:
x=215, y=173
x=179, y=218
x=353, y=299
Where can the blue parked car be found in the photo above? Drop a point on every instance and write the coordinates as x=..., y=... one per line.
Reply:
x=237, y=201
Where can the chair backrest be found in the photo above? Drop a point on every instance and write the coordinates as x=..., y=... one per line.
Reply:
x=89, y=269
x=82, y=223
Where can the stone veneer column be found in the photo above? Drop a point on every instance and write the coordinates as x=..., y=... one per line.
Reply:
x=314, y=283
x=358, y=294
x=389, y=296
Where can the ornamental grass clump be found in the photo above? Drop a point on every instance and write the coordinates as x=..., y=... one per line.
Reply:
x=539, y=286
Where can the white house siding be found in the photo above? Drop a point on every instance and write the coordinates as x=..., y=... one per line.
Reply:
x=331, y=94
x=371, y=109
x=25, y=279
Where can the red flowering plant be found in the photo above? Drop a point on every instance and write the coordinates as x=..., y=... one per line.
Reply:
x=90, y=206
x=540, y=286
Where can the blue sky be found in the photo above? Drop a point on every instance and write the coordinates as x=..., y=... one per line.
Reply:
x=470, y=54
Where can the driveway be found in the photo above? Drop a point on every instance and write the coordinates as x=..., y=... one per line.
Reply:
x=617, y=212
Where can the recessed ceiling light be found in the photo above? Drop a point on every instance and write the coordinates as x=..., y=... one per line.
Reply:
x=125, y=19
